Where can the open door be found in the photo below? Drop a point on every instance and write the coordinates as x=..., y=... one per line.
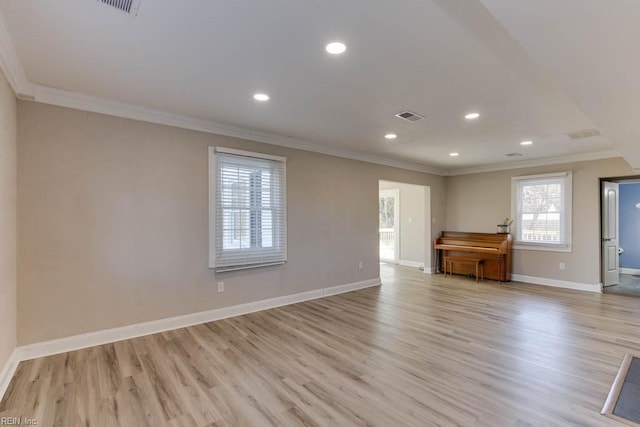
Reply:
x=610, y=257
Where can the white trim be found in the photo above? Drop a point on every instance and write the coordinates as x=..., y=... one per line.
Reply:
x=566, y=218
x=64, y=98
x=10, y=64
x=521, y=246
x=77, y=342
x=341, y=289
x=595, y=287
x=542, y=175
x=244, y=153
x=395, y=193
x=583, y=157
x=7, y=372
x=429, y=270
x=411, y=263
x=27, y=90
x=246, y=267
x=634, y=271
x=223, y=259
x=212, y=206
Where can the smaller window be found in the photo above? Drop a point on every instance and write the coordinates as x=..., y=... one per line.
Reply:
x=541, y=207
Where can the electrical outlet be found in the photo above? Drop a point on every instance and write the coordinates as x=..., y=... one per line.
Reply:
x=562, y=266
x=220, y=286
x=360, y=265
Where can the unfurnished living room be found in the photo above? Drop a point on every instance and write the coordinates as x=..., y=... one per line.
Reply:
x=319, y=213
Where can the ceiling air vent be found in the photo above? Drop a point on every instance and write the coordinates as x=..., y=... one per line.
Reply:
x=128, y=6
x=513, y=155
x=584, y=133
x=409, y=116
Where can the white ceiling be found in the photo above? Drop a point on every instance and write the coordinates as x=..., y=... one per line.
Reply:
x=533, y=70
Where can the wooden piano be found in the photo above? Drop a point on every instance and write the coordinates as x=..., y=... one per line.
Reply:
x=494, y=249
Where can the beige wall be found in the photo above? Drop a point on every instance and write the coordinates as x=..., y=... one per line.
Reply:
x=113, y=223
x=412, y=220
x=478, y=202
x=7, y=221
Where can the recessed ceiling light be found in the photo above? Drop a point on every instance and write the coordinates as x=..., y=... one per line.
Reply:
x=261, y=97
x=472, y=116
x=526, y=143
x=454, y=154
x=391, y=136
x=336, y=48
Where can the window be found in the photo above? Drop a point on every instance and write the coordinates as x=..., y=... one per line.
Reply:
x=247, y=209
x=541, y=208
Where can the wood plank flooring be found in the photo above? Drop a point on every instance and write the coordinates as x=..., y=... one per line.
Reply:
x=419, y=351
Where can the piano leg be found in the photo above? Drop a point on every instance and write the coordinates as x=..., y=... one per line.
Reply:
x=500, y=262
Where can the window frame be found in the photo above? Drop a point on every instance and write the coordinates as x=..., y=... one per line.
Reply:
x=566, y=218
x=279, y=234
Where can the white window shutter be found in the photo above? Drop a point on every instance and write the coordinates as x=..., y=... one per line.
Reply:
x=247, y=209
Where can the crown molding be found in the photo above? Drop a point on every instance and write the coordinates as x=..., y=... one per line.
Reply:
x=78, y=101
x=537, y=162
x=26, y=90
x=10, y=64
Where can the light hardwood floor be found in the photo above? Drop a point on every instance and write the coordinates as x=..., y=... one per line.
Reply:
x=421, y=350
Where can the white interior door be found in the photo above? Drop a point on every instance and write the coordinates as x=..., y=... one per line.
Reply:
x=610, y=231
x=389, y=209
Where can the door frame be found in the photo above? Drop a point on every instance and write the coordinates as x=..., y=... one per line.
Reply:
x=609, y=233
x=618, y=180
x=395, y=193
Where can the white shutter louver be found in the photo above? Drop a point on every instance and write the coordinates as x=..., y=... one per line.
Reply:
x=247, y=209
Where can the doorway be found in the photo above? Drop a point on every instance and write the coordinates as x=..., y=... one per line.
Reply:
x=389, y=228
x=620, y=235
x=405, y=224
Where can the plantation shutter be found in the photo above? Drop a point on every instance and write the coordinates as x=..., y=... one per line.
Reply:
x=248, y=209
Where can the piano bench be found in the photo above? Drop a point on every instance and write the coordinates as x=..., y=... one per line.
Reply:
x=477, y=262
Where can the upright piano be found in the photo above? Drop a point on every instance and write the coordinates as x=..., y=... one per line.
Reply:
x=494, y=249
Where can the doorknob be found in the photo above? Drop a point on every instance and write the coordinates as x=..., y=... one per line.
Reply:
x=607, y=240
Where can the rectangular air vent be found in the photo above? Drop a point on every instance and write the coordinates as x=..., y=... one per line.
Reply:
x=409, y=116
x=584, y=133
x=128, y=6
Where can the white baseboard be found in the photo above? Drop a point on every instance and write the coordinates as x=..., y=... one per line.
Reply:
x=429, y=270
x=596, y=287
x=340, y=289
x=634, y=271
x=7, y=372
x=77, y=342
x=411, y=263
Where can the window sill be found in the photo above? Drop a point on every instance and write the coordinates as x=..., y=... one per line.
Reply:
x=545, y=248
